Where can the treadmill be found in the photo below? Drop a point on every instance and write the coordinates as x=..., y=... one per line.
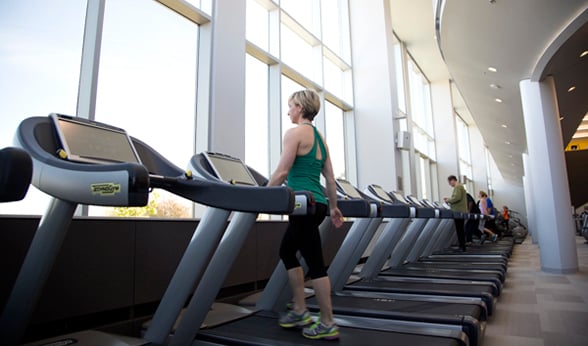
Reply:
x=199, y=325
x=494, y=252
x=431, y=242
x=398, y=267
x=486, y=291
x=467, y=313
x=419, y=243
x=504, y=246
x=501, y=247
x=88, y=155
x=442, y=251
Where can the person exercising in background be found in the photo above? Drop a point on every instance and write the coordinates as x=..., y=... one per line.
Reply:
x=458, y=202
x=471, y=226
x=304, y=157
x=486, y=210
x=505, y=217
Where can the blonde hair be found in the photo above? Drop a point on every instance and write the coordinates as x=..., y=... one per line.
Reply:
x=309, y=100
x=483, y=194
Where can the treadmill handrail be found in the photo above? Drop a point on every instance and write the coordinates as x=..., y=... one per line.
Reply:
x=16, y=170
x=269, y=200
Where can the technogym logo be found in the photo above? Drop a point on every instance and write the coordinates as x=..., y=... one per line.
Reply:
x=105, y=189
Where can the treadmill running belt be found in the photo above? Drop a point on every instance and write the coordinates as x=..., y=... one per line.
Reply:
x=387, y=306
x=264, y=330
x=434, y=273
x=468, y=316
x=457, y=265
x=469, y=290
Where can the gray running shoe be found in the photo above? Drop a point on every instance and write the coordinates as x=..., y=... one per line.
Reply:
x=319, y=331
x=292, y=319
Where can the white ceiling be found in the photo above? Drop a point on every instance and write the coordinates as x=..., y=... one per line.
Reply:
x=511, y=36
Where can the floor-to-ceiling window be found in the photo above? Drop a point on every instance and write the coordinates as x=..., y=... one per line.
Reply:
x=203, y=5
x=147, y=85
x=401, y=117
x=464, y=153
x=335, y=136
x=40, y=54
x=400, y=84
x=488, y=172
x=423, y=134
x=294, y=45
x=146, y=56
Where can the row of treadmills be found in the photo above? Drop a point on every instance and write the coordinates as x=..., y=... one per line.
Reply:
x=413, y=289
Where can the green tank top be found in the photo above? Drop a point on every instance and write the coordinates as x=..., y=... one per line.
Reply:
x=306, y=170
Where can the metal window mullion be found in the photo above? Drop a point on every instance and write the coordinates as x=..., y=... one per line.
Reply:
x=90, y=64
x=203, y=83
x=88, y=85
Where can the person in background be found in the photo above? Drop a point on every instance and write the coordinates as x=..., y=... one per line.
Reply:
x=491, y=223
x=305, y=156
x=471, y=226
x=458, y=202
x=505, y=217
x=486, y=209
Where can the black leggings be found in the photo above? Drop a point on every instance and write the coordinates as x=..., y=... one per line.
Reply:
x=303, y=235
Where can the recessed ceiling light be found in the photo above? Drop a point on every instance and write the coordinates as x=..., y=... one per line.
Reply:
x=507, y=142
x=510, y=156
x=584, y=53
x=572, y=88
x=495, y=86
x=498, y=100
x=504, y=125
x=561, y=118
x=492, y=69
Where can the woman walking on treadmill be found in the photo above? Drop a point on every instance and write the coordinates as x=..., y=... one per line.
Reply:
x=487, y=209
x=304, y=157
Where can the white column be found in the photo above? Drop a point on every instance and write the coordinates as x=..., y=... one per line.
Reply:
x=445, y=136
x=375, y=103
x=224, y=126
x=529, y=200
x=549, y=181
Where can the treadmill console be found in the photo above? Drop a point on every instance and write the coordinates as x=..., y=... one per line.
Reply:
x=379, y=192
x=230, y=169
x=89, y=141
x=348, y=190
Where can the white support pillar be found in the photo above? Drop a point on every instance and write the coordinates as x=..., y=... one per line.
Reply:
x=549, y=183
x=223, y=128
x=529, y=200
x=375, y=103
x=445, y=136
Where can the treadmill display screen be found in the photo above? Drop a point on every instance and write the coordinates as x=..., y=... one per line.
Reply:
x=427, y=203
x=348, y=189
x=88, y=141
x=414, y=201
x=380, y=193
x=230, y=170
x=399, y=197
